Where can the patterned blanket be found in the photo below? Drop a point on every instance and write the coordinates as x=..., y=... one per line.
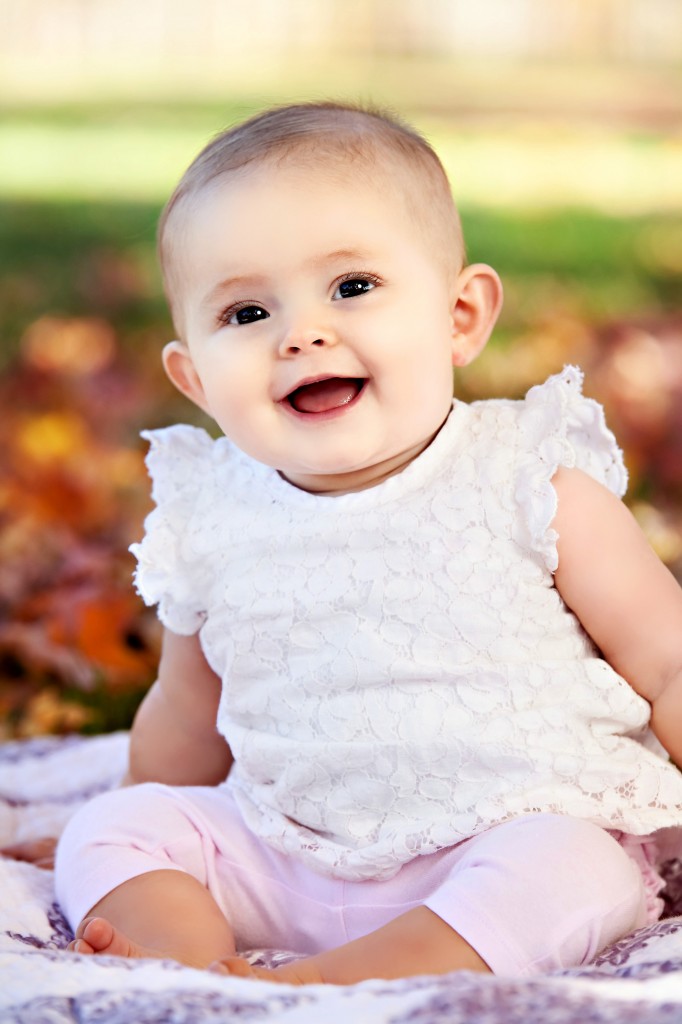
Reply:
x=41, y=784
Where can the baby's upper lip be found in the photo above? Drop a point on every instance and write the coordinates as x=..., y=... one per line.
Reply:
x=305, y=381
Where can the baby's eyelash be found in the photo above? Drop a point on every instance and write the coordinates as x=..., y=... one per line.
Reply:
x=363, y=276
x=226, y=315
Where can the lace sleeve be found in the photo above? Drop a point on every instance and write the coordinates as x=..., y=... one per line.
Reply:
x=169, y=574
x=560, y=427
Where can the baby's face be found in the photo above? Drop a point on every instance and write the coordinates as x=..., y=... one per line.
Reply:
x=317, y=325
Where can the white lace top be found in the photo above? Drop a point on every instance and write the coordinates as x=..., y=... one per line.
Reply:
x=399, y=672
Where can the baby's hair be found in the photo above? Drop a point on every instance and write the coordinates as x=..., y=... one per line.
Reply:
x=330, y=137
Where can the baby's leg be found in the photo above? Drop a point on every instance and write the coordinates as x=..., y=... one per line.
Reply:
x=136, y=876
x=541, y=893
x=417, y=942
x=157, y=914
x=535, y=894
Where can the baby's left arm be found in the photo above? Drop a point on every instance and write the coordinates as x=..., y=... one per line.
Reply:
x=624, y=596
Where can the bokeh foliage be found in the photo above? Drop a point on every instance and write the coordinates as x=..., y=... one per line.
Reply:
x=82, y=322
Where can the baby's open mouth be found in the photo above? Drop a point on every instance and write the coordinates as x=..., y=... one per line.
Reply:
x=324, y=395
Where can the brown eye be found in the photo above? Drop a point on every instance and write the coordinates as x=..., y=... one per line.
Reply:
x=248, y=315
x=354, y=286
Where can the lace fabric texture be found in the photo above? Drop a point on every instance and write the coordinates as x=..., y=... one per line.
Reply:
x=399, y=672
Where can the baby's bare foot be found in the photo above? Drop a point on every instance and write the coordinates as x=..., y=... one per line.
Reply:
x=97, y=936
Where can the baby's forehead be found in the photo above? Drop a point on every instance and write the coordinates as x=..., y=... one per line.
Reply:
x=307, y=185
x=398, y=185
x=309, y=175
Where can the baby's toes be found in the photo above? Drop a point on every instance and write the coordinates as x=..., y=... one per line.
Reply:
x=99, y=932
x=237, y=966
x=80, y=946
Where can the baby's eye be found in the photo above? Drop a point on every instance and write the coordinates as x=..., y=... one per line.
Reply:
x=244, y=315
x=352, y=286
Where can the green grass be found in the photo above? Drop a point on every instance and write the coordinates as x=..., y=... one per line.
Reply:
x=613, y=267
x=119, y=151
x=56, y=258
x=587, y=220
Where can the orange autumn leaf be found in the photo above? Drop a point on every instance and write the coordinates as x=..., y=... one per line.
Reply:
x=47, y=712
x=102, y=626
x=50, y=437
x=74, y=345
x=98, y=625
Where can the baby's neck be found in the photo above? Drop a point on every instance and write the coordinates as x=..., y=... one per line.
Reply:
x=334, y=485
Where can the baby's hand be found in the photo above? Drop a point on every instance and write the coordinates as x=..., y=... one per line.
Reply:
x=35, y=851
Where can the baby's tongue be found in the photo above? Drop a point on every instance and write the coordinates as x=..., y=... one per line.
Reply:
x=324, y=395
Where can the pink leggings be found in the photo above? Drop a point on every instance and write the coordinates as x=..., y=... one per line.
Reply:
x=534, y=894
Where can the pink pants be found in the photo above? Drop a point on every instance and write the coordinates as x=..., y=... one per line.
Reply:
x=531, y=895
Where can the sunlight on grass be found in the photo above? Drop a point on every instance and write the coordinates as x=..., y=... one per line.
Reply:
x=532, y=168
x=527, y=167
x=129, y=162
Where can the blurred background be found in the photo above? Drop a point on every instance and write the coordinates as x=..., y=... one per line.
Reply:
x=560, y=123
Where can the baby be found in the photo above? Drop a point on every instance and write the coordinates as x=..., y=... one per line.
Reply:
x=419, y=663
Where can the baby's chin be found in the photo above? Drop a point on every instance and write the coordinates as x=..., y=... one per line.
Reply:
x=346, y=480
x=326, y=483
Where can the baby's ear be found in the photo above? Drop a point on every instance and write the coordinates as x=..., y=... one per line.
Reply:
x=179, y=367
x=478, y=301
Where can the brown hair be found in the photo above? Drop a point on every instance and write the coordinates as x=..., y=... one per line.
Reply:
x=328, y=135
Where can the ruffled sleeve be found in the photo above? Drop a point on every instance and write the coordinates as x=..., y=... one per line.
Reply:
x=169, y=574
x=560, y=427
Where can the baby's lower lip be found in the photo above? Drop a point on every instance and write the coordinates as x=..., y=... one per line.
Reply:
x=325, y=397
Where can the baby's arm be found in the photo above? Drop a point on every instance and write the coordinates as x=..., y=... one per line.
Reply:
x=625, y=598
x=174, y=738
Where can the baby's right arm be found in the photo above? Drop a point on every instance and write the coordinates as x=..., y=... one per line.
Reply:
x=174, y=738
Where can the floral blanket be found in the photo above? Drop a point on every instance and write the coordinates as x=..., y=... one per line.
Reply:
x=41, y=784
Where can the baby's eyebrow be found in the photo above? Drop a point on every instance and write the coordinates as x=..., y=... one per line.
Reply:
x=338, y=256
x=237, y=281
x=240, y=282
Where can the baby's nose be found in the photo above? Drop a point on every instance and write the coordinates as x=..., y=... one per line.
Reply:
x=299, y=341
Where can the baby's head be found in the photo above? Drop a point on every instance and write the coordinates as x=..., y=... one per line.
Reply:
x=314, y=265
x=333, y=141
